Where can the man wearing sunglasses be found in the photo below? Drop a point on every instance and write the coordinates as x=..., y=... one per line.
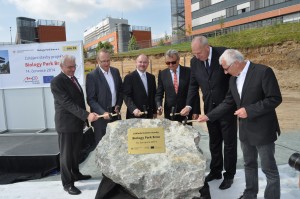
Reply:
x=173, y=83
x=208, y=75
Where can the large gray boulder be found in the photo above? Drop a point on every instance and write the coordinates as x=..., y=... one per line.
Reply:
x=177, y=173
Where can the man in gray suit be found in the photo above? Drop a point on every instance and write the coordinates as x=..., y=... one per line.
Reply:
x=70, y=116
x=104, y=92
x=254, y=89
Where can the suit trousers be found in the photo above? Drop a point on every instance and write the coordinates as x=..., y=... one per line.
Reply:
x=223, y=131
x=100, y=128
x=69, y=146
x=268, y=166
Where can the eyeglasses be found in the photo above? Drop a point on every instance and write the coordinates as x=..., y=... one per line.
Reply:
x=70, y=67
x=226, y=69
x=172, y=62
x=104, y=61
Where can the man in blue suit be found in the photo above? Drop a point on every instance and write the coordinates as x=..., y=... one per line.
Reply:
x=104, y=92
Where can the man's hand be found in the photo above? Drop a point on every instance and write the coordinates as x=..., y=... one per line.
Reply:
x=195, y=116
x=106, y=116
x=137, y=112
x=159, y=110
x=202, y=118
x=117, y=109
x=241, y=113
x=185, y=111
x=92, y=117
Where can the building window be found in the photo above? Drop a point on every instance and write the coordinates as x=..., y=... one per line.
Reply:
x=257, y=4
x=231, y=11
x=205, y=3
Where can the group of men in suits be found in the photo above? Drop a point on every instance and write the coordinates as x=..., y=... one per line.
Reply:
x=178, y=86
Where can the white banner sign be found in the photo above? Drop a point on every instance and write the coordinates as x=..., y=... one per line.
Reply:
x=35, y=65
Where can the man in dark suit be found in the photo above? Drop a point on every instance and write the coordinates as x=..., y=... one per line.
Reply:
x=70, y=117
x=139, y=90
x=173, y=84
x=104, y=93
x=207, y=74
x=254, y=90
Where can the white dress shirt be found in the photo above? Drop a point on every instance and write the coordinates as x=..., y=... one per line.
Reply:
x=241, y=78
x=144, y=79
x=110, y=80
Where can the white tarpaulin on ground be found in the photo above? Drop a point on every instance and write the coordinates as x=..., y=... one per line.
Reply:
x=35, y=65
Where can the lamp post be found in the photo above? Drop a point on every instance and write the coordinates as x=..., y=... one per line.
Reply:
x=10, y=36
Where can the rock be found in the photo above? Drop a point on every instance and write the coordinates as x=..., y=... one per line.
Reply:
x=177, y=173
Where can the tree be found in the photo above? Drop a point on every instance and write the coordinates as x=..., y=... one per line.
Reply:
x=132, y=44
x=161, y=42
x=106, y=45
x=85, y=53
x=167, y=37
x=221, y=22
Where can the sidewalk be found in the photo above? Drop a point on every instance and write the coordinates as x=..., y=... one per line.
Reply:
x=50, y=187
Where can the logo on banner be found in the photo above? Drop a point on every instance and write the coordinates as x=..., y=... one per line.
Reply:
x=69, y=48
x=33, y=80
x=47, y=79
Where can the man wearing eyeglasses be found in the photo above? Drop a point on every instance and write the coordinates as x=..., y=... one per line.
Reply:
x=104, y=92
x=173, y=83
x=208, y=75
x=70, y=117
x=139, y=90
x=254, y=90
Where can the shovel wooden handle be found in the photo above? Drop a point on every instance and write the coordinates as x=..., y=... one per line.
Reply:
x=189, y=121
x=112, y=115
x=171, y=114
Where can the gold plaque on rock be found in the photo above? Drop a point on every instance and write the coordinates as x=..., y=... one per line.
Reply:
x=146, y=140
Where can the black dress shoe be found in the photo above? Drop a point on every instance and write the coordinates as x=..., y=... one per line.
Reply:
x=241, y=197
x=226, y=184
x=72, y=190
x=213, y=176
x=82, y=177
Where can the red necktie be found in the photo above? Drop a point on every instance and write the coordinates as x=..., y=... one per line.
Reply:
x=175, y=81
x=75, y=83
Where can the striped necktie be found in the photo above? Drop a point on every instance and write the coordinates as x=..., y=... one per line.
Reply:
x=175, y=81
x=75, y=83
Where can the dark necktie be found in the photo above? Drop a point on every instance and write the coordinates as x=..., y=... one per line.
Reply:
x=75, y=83
x=207, y=66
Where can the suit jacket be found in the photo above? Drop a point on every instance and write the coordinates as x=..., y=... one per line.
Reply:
x=135, y=95
x=166, y=89
x=99, y=96
x=260, y=96
x=214, y=86
x=70, y=111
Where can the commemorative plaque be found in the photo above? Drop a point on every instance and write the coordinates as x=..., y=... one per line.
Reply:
x=146, y=140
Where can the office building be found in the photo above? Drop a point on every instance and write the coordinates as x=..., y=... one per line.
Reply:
x=118, y=33
x=31, y=30
x=213, y=17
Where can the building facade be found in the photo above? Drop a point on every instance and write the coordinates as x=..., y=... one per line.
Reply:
x=178, y=17
x=118, y=33
x=211, y=17
x=30, y=31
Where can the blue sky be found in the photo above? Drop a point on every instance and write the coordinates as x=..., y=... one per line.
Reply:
x=81, y=14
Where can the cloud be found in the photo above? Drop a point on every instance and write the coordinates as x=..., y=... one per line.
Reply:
x=75, y=10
